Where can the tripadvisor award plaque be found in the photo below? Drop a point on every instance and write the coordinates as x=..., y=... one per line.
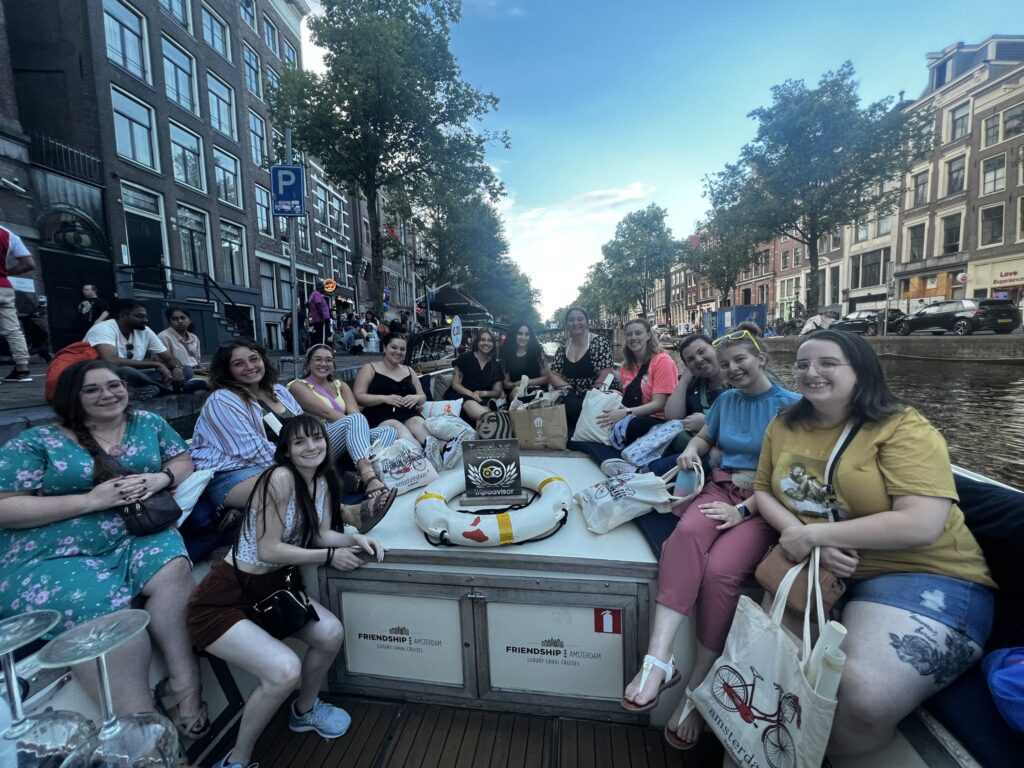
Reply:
x=493, y=473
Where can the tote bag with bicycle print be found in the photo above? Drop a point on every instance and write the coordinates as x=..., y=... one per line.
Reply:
x=402, y=465
x=757, y=699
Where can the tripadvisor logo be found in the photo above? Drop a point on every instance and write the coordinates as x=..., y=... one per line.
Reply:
x=493, y=473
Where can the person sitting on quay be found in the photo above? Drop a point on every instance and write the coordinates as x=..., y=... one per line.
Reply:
x=332, y=400
x=582, y=362
x=477, y=376
x=184, y=345
x=240, y=424
x=390, y=393
x=919, y=604
x=521, y=356
x=125, y=342
x=64, y=545
x=720, y=537
x=288, y=522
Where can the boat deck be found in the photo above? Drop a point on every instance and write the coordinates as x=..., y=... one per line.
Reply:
x=412, y=735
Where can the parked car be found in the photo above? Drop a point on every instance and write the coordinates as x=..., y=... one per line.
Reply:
x=963, y=317
x=868, y=322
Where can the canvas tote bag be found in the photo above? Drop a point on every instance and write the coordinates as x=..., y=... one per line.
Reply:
x=594, y=404
x=402, y=465
x=758, y=723
x=622, y=498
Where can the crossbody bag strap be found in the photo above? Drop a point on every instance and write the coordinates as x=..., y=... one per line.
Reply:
x=845, y=438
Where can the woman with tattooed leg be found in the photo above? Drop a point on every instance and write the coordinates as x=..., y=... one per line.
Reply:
x=918, y=604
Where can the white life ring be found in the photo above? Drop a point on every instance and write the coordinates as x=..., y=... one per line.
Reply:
x=543, y=516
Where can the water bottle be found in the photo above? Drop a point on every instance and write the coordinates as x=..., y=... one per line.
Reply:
x=827, y=683
x=832, y=634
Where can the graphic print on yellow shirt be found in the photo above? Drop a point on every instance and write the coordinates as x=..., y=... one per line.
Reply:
x=802, y=482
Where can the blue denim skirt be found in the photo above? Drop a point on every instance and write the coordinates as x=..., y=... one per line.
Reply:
x=225, y=480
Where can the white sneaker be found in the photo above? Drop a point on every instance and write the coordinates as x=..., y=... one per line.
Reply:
x=452, y=453
x=433, y=448
x=613, y=467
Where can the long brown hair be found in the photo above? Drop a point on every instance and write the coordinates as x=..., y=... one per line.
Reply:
x=222, y=378
x=67, y=401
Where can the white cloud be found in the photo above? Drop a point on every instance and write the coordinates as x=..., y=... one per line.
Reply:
x=556, y=244
x=494, y=8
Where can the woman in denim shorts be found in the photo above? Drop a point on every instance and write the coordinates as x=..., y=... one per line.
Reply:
x=918, y=606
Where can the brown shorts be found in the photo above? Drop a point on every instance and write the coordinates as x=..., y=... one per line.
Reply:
x=220, y=601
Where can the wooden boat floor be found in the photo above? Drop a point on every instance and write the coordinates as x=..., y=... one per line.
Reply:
x=410, y=735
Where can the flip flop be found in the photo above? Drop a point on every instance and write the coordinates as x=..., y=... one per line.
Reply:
x=670, y=733
x=372, y=510
x=191, y=727
x=672, y=677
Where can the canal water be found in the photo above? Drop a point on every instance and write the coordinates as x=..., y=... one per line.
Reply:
x=978, y=407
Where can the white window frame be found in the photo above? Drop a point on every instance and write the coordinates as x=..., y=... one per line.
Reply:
x=171, y=125
x=209, y=243
x=239, y=203
x=998, y=120
x=995, y=178
x=906, y=239
x=263, y=192
x=185, y=5
x=887, y=218
x=216, y=113
x=914, y=203
x=247, y=70
x=1020, y=219
x=257, y=143
x=948, y=176
x=275, y=33
x=245, y=249
x=953, y=120
x=293, y=59
x=154, y=143
x=981, y=229
x=193, y=89
x=273, y=79
x=940, y=230
x=226, y=52
x=143, y=40
x=160, y=215
x=255, y=15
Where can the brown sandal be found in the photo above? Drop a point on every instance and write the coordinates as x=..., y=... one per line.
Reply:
x=368, y=476
x=190, y=727
x=373, y=509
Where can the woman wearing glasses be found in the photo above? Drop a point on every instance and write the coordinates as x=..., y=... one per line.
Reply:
x=719, y=538
x=648, y=376
x=918, y=604
x=63, y=544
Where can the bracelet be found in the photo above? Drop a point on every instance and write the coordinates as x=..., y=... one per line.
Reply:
x=330, y=555
x=169, y=474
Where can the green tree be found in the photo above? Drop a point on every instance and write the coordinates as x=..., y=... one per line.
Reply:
x=391, y=111
x=643, y=249
x=820, y=160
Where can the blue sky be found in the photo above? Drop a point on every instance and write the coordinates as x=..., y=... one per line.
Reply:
x=613, y=105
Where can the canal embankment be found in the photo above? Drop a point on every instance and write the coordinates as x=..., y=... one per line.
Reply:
x=1004, y=349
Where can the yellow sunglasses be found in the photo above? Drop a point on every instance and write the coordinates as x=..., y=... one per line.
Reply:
x=738, y=336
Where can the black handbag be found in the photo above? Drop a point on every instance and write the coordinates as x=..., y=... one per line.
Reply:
x=141, y=518
x=284, y=612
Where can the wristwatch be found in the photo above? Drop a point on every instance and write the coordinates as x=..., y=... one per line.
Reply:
x=742, y=509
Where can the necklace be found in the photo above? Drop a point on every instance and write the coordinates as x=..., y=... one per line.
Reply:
x=112, y=447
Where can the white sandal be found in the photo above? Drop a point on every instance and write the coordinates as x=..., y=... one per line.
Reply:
x=671, y=731
x=672, y=677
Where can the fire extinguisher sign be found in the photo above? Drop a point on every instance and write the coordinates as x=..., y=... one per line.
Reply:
x=608, y=621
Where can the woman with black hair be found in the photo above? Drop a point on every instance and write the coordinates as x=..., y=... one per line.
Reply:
x=477, y=376
x=240, y=424
x=289, y=521
x=523, y=357
x=918, y=604
x=64, y=546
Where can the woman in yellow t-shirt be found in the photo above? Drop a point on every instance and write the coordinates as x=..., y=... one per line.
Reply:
x=918, y=605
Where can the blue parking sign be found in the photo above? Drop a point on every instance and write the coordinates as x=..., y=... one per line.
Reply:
x=288, y=190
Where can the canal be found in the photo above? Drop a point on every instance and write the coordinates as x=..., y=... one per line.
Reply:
x=978, y=407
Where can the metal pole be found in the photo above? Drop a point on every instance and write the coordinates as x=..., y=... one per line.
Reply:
x=294, y=272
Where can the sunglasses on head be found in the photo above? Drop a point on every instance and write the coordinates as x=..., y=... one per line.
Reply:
x=738, y=336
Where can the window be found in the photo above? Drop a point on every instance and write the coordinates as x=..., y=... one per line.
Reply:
x=249, y=12
x=915, y=239
x=959, y=125
x=873, y=267
x=920, y=188
x=884, y=226
x=993, y=174
x=303, y=228
x=177, y=10
x=179, y=76
x=222, y=106
x=823, y=244
x=1020, y=219
x=257, y=139
x=860, y=233
x=225, y=172
x=264, y=224
x=837, y=239
x=126, y=34
x=785, y=260
x=951, y=233
x=270, y=35
x=992, y=225
x=231, y=262
x=273, y=79
x=335, y=212
x=215, y=33
x=187, y=157
x=798, y=256
x=320, y=205
x=1013, y=121
x=133, y=129
x=955, y=175
x=992, y=131
x=268, y=291
x=192, y=234
x=251, y=65
x=291, y=56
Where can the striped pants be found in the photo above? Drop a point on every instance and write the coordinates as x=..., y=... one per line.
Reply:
x=353, y=434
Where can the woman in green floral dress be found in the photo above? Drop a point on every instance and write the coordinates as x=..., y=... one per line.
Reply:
x=64, y=547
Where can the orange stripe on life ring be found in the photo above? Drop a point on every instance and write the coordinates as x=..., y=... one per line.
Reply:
x=424, y=496
x=547, y=480
x=504, y=528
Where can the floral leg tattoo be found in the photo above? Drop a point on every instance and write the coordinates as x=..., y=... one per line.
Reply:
x=921, y=650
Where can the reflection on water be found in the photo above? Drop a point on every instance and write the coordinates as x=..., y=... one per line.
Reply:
x=978, y=407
